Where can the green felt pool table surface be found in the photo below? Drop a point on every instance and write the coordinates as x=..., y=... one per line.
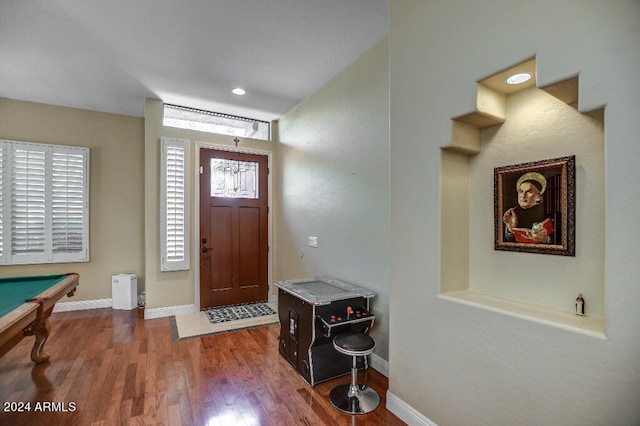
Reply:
x=25, y=306
x=14, y=291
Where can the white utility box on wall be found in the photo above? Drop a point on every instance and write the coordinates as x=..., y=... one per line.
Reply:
x=124, y=291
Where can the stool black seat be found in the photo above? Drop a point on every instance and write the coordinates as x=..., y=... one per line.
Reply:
x=353, y=398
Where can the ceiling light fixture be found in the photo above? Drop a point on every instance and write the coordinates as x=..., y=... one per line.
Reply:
x=238, y=91
x=519, y=78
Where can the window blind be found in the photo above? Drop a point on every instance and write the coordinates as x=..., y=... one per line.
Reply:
x=68, y=203
x=175, y=206
x=43, y=203
x=28, y=201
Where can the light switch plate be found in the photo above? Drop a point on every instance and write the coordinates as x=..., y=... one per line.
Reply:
x=313, y=241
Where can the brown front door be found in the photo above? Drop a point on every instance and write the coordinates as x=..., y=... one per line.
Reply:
x=233, y=228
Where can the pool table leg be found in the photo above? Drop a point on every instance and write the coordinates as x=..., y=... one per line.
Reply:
x=40, y=328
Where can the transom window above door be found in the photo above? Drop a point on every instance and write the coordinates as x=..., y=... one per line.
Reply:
x=215, y=122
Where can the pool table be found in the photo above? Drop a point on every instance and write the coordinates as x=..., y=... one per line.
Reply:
x=26, y=304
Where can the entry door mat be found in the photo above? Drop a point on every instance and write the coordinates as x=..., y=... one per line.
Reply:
x=222, y=320
x=238, y=312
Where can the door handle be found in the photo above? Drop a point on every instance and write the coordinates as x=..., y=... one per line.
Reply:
x=205, y=249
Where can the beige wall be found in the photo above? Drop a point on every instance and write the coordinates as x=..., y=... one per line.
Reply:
x=454, y=363
x=333, y=183
x=116, y=187
x=175, y=289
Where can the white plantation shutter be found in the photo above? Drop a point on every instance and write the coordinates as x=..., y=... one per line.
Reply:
x=69, y=216
x=44, y=193
x=175, y=206
x=28, y=202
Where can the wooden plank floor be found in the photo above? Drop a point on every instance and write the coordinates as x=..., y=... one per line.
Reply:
x=114, y=368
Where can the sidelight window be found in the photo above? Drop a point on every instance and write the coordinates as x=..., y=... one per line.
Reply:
x=175, y=205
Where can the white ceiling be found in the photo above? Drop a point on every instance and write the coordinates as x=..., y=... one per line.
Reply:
x=110, y=55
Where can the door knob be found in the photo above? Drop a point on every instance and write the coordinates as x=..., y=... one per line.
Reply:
x=205, y=249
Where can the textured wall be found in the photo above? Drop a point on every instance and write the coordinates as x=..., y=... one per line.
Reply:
x=459, y=364
x=333, y=183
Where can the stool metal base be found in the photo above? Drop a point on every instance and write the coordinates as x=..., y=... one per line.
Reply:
x=360, y=399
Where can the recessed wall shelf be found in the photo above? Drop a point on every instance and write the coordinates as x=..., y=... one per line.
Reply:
x=589, y=325
x=467, y=152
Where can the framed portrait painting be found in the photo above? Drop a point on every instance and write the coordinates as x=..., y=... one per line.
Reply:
x=534, y=208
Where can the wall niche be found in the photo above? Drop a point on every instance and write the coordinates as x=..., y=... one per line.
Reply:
x=515, y=124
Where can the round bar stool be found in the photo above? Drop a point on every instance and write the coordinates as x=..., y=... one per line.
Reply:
x=353, y=398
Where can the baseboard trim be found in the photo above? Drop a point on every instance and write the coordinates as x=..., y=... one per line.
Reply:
x=169, y=311
x=108, y=303
x=407, y=413
x=82, y=305
x=379, y=364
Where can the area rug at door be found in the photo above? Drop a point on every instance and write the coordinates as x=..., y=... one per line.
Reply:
x=223, y=319
x=238, y=312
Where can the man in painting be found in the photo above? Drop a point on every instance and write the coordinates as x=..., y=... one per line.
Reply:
x=526, y=222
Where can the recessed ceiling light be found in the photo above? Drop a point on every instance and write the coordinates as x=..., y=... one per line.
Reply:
x=519, y=78
x=238, y=91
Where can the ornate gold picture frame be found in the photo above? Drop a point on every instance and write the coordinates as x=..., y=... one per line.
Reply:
x=534, y=209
